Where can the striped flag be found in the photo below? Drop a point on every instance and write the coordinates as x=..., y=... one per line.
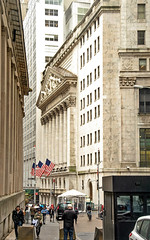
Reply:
x=48, y=167
x=33, y=169
x=40, y=169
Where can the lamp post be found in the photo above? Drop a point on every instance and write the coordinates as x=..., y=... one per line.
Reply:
x=98, y=187
x=54, y=192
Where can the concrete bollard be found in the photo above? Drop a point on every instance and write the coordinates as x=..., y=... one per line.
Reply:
x=98, y=234
x=26, y=232
x=61, y=234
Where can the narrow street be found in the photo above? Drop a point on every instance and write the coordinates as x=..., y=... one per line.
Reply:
x=84, y=228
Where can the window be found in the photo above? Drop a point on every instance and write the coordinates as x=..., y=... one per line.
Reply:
x=83, y=59
x=145, y=147
x=80, y=85
x=94, y=47
x=98, y=21
x=51, y=37
x=90, y=51
x=144, y=100
x=49, y=23
x=54, y=2
x=95, y=74
x=141, y=37
x=95, y=157
x=94, y=25
x=51, y=12
x=83, y=39
x=87, y=80
x=81, y=142
x=90, y=98
x=81, y=42
x=83, y=160
x=90, y=138
x=90, y=115
x=87, y=100
x=95, y=134
x=83, y=118
x=80, y=104
x=98, y=44
x=87, y=33
x=95, y=95
x=98, y=156
x=141, y=11
x=87, y=54
x=95, y=112
x=90, y=31
x=90, y=78
x=82, y=184
x=83, y=103
x=83, y=83
x=98, y=135
x=90, y=158
x=142, y=64
x=98, y=71
x=98, y=93
x=98, y=111
x=47, y=59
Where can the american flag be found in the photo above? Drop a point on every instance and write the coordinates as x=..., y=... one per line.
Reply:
x=48, y=167
x=40, y=169
x=33, y=169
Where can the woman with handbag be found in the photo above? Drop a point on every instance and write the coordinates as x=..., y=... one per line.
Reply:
x=37, y=221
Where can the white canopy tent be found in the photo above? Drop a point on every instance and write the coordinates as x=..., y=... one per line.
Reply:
x=75, y=197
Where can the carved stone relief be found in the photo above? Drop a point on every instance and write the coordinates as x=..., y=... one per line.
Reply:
x=127, y=81
x=127, y=63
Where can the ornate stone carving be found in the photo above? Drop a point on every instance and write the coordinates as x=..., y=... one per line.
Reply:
x=71, y=101
x=127, y=81
x=127, y=63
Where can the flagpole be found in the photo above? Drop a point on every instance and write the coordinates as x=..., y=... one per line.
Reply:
x=35, y=177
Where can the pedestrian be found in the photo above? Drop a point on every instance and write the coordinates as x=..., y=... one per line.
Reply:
x=27, y=214
x=76, y=212
x=69, y=216
x=39, y=217
x=51, y=212
x=44, y=212
x=32, y=211
x=18, y=219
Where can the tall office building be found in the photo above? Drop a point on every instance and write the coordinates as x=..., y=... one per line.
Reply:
x=43, y=37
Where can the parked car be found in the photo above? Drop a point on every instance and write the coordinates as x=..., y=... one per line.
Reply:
x=61, y=207
x=141, y=229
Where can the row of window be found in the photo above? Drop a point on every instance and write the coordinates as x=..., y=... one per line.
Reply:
x=50, y=37
x=89, y=98
x=53, y=2
x=61, y=183
x=89, y=78
x=86, y=160
x=89, y=139
x=89, y=31
x=89, y=52
x=89, y=115
x=50, y=23
x=51, y=12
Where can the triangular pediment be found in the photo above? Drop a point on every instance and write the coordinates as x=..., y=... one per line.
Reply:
x=53, y=77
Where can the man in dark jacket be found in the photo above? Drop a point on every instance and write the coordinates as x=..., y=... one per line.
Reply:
x=68, y=217
x=18, y=219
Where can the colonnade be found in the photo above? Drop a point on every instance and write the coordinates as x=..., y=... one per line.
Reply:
x=55, y=135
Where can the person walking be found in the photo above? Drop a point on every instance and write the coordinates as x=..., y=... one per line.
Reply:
x=68, y=217
x=32, y=212
x=44, y=212
x=39, y=217
x=18, y=219
x=51, y=212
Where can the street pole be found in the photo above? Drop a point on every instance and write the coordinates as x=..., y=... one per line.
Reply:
x=98, y=187
x=35, y=177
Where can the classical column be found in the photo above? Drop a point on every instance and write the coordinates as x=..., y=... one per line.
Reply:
x=65, y=136
x=60, y=134
x=57, y=138
x=3, y=189
x=12, y=123
x=47, y=138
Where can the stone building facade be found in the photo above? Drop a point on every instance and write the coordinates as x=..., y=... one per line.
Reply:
x=13, y=87
x=109, y=53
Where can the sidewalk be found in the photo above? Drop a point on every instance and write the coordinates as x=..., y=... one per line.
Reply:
x=84, y=228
